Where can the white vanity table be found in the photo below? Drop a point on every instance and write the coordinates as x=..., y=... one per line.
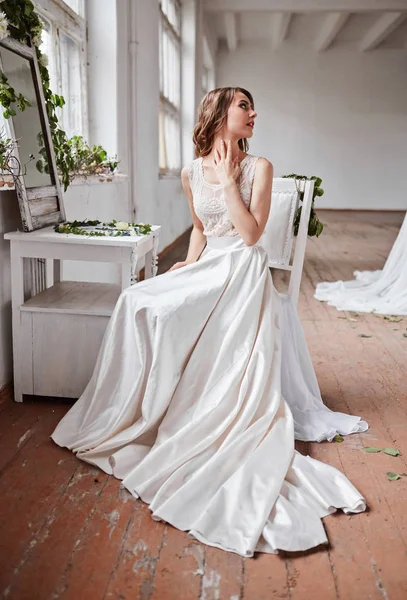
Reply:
x=57, y=331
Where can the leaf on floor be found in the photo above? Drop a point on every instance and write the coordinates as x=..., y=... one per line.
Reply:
x=393, y=319
x=338, y=438
x=363, y=335
x=404, y=334
x=393, y=476
x=371, y=449
x=391, y=451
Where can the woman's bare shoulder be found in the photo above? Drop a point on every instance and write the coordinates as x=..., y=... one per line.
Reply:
x=264, y=169
x=264, y=163
x=187, y=170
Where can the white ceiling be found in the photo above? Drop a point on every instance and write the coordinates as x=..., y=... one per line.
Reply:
x=364, y=25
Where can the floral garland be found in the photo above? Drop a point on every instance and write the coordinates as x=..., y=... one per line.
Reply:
x=97, y=228
x=74, y=156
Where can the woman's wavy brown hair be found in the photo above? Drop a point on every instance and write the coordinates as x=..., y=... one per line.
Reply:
x=212, y=115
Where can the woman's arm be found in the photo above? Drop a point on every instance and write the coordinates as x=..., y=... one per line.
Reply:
x=250, y=223
x=197, y=240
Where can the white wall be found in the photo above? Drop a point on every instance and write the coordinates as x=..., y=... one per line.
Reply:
x=340, y=114
x=102, y=73
x=100, y=200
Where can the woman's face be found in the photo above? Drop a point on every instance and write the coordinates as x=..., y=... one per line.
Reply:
x=241, y=116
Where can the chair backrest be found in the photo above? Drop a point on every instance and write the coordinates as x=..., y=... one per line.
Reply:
x=278, y=236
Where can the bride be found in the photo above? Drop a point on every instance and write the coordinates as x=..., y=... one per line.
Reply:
x=185, y=402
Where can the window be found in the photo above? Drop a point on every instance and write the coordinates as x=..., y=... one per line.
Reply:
x=76, y=5
x=208, y=69
x=170, y=86
x=64, y=43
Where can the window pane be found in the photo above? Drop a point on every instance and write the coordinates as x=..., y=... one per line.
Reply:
x=160, y=55
x=71, y=85
x=172, y=10
x=170, y=88
x=172, y=136
x=76, y=5
x=162, y=151
x=49, y=50
x=171, y=68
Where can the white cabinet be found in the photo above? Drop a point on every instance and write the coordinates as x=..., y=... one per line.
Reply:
x=58, y=331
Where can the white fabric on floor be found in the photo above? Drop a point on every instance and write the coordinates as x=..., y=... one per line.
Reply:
x=383, y=292
x=313, y=421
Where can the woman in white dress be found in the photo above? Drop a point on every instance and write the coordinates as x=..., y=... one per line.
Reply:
x=185, y=402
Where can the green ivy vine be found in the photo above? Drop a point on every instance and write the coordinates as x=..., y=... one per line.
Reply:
x=315, y=227
x=73, y=155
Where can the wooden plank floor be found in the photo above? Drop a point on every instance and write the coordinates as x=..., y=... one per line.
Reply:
x=70, y=531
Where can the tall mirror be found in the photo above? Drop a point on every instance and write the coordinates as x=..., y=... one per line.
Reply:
x=27, y=123
x=38, y=190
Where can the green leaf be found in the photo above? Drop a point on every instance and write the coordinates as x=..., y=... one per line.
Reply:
x=393, y=476
x=405, y=335
x=338, y=438
x=363, y=335
x=371, y=449
x=391, y=451
x=393, y=319
x=320, y=228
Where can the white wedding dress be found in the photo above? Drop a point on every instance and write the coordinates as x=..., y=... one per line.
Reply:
x=185, y=402
x=383, y=292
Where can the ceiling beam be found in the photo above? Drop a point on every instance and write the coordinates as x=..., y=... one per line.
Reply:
x=304, y=6
x=279, y=28
x=231, y=30
x=330, y=29
x=383, y=27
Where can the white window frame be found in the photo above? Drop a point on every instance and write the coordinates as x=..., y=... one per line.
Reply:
x=63, y=17
x=166, y=105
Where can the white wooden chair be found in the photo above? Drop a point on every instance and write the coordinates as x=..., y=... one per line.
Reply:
x=278, y=236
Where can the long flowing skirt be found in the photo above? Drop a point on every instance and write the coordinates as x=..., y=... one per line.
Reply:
x=383, y=292
x=185, y=406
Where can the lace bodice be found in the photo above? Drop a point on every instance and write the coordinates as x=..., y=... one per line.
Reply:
x=209, y=203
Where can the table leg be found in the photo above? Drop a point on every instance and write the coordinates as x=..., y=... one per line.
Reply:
x=57, y=270
x=17, y=299
x=126, y=265
x=151, y=266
